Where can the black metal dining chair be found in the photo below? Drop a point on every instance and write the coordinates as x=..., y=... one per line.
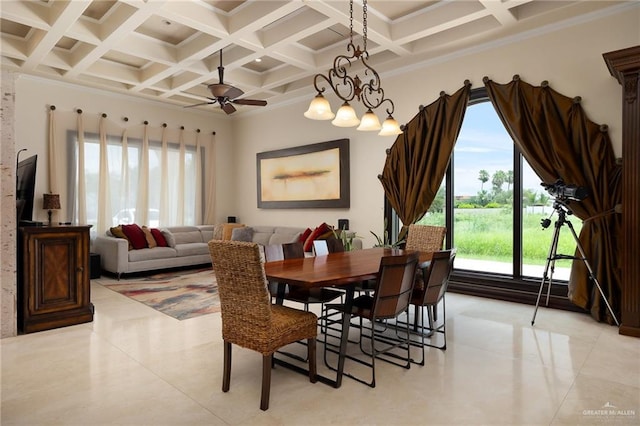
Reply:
x=390, y=298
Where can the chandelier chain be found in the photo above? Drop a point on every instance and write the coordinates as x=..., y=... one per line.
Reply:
x=364, y=24
x=351, y=21
x=348, y=87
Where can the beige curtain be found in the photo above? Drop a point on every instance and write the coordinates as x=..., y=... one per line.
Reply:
x=199, y=174
x=81, y=208
x=560, y=142
x=418, y=160
x=181, y=180
x=53, y=166
x=142, y=201
x=124, y=174
x=165, y=205
x=130, y=194
x=104, y=194
x=210, y=185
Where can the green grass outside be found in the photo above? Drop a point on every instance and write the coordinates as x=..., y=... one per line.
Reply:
x=487, y=235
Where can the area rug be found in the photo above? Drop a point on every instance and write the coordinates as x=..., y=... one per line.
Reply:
x=181, y=295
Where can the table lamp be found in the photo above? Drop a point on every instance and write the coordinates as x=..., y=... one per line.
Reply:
x=51, y=202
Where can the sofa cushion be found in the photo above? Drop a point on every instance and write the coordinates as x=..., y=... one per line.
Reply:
x=191, y=249
x=184, y=235
x=207, y=232
x=322, y=229
x=244, y=233
x=116, y=231
x=151, y=254
x=261, y=234
x=217, y=231
x=169, y=238
x=159, y=237
x=151, y=242
x=305, y=234
x=228, y=229
x=284, y=237
x=135, y=235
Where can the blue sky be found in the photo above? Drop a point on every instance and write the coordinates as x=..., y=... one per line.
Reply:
x=484, y=143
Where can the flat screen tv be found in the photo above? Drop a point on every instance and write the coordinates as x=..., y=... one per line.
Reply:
x=25, y=188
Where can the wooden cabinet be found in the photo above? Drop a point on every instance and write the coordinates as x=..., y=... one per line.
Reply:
x=53, y=277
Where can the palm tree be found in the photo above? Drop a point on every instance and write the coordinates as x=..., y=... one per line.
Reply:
x=483, y=176
x=499, y=177
x=509, y=179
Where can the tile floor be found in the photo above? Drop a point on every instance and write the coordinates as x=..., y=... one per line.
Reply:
x=135, y=366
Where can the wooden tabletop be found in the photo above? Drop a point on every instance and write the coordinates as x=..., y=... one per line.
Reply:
x=334, y=269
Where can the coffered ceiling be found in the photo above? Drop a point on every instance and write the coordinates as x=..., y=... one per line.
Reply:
x=169, y=50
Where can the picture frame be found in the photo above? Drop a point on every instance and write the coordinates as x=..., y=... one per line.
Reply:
x=308, y=176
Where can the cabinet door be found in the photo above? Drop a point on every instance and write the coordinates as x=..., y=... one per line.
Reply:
x=56, y=274
x=56, y=271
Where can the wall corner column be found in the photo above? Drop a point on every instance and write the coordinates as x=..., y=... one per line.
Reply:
x=8, y=225
x=624, y=65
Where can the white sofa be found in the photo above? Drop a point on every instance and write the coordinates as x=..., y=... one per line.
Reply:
x=189, y=247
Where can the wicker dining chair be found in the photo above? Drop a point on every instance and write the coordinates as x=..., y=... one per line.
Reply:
x=249, y=319
x=425, y=238
x=389, y=300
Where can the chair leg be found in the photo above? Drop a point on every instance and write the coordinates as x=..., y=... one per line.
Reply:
x=266, y=381
x=373, y=357
x=226, y=375
x=311, y=354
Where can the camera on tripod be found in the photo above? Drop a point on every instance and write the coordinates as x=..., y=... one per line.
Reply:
x=564, y=194
x=562, y=191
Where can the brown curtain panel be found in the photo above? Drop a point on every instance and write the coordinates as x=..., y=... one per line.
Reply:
x=417, y=161
x=560, y=142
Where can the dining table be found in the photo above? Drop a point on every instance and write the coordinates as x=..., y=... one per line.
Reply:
x=342, y=270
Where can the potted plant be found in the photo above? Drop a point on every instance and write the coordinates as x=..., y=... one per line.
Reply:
x=384, y=240
x=345, y=237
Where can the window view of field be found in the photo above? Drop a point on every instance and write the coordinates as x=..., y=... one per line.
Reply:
x=483, y=168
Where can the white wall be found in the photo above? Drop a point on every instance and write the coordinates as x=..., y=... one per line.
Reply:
x=35, y=95
x=570, y=59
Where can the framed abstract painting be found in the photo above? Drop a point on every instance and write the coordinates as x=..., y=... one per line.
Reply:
x=308, y=176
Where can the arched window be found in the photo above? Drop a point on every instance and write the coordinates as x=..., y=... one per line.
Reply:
x=492, y=204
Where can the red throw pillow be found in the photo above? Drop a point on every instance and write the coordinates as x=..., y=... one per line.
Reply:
x=135, y=235
x=308, y=244
x=160, y=240
x=305, y=235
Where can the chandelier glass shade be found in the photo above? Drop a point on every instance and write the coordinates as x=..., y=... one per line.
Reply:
x=346, y=116
x=347, y=87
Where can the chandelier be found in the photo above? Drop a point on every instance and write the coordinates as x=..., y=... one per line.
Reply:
x=348, y=88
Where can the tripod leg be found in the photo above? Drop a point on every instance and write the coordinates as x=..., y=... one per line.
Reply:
x=550, y=264
x=591, y=274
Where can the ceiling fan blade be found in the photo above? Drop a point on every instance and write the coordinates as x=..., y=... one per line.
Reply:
x=213, y=101
x=254, y=102
x=228, y=108
x=233, y=92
